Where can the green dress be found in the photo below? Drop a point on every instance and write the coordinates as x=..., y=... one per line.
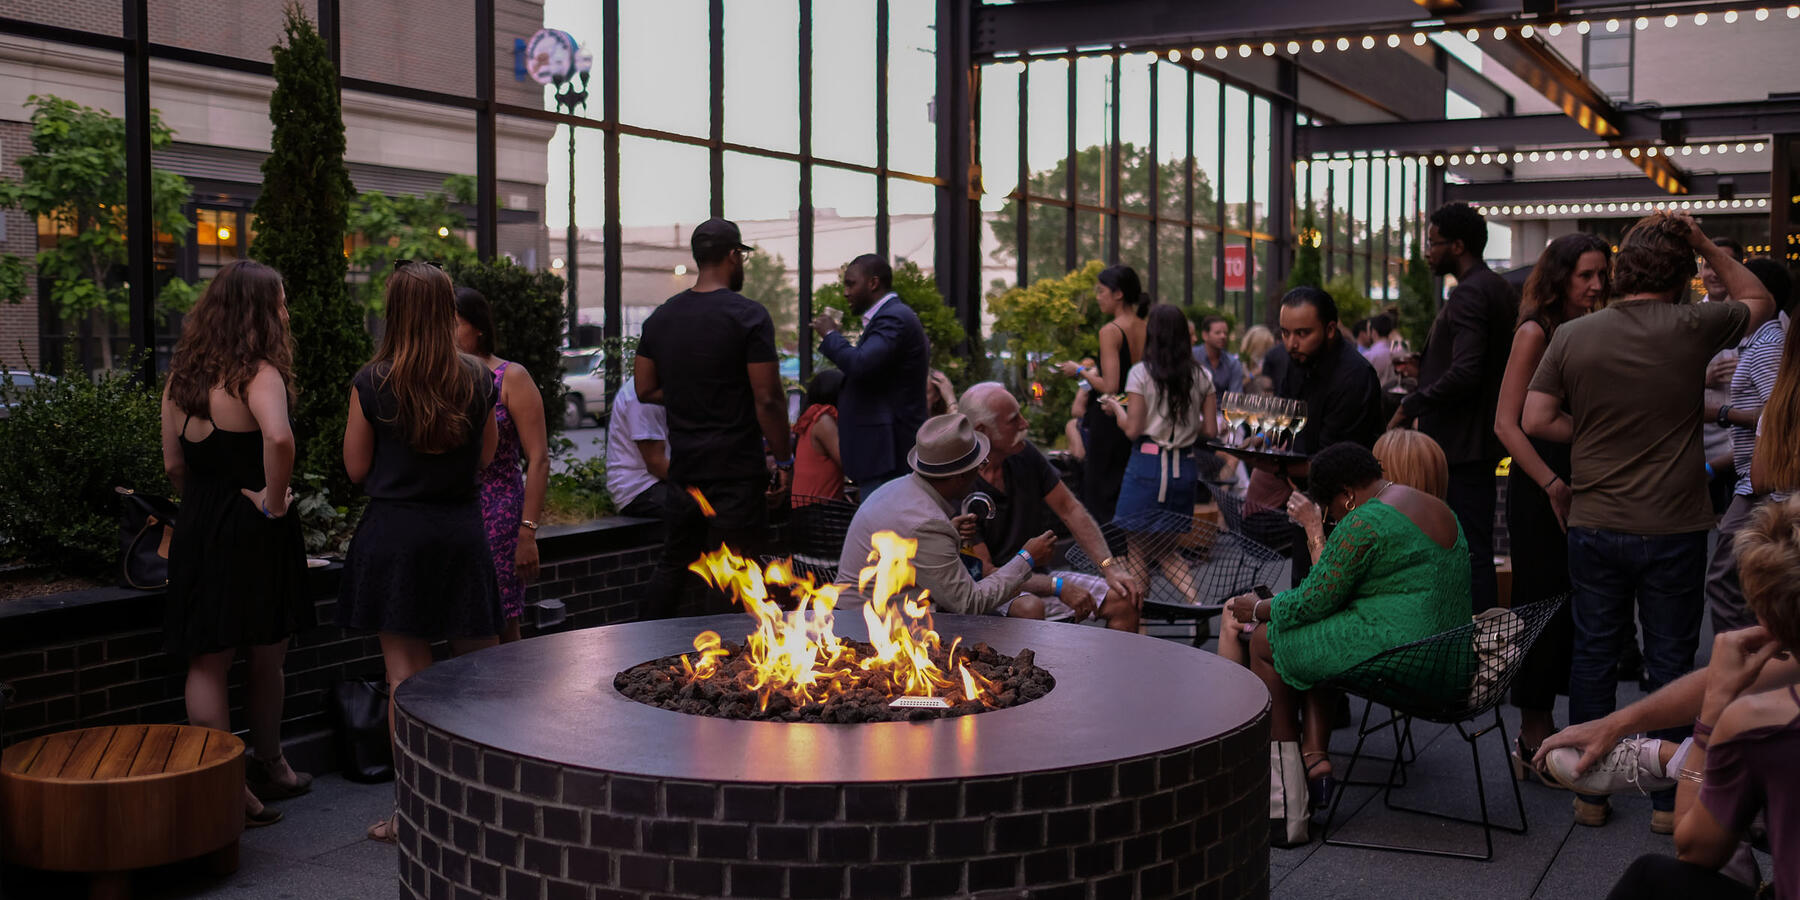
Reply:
x=1380, y=583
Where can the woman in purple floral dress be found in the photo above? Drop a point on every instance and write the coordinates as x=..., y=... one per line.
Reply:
x=511, y=500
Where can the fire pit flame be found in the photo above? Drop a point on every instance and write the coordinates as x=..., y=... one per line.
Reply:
x=798, y=654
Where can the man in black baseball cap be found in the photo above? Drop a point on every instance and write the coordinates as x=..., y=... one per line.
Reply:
x=707, y=355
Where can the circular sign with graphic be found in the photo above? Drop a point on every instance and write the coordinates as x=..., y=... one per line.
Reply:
x=550, y=56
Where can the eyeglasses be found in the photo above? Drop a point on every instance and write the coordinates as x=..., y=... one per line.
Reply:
x=401, y=263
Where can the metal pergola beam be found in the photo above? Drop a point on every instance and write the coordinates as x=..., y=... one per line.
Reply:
x=1699, y=122
x=1587, y=190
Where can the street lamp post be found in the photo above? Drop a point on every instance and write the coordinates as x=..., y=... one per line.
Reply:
x=554, y=58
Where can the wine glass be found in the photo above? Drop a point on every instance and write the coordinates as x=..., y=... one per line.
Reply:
x=1299, y=417
x=1284, y=421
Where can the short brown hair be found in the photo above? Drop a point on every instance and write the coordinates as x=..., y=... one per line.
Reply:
x=1412, y=458
x=1768, y=558
x=1654, y=257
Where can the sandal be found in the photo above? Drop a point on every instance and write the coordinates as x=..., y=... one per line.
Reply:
x=1523, y=767
x=266, y=815
x=1319, y=788
x=386, y=831
x=259, y=774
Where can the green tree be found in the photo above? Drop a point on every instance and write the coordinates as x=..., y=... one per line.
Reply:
x=1046, y=229
x=1046, y=322
x=1308, y=270
x=1418, y=300
x=71, y=177
x=919, y=291
x=300, y=219
x=528, y=322
x=766, y=282
x=1353, y=305
x=408, y=227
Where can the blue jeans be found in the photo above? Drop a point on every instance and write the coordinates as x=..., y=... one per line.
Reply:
x=1665, y=574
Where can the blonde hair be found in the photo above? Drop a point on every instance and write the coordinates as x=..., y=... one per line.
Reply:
x=1768, y=558
x=1255, y=344
x=1412, y=458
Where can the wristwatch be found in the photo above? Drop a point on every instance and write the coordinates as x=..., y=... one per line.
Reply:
x=1724, y=419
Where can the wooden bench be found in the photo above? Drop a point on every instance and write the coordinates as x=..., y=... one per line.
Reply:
x=112, y=799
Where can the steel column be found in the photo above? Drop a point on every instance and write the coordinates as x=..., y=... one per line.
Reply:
x=883, y=222
x=140, y=219
x=804, y=255
x=487, y=176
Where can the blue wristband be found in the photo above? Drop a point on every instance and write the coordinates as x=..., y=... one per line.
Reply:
x=1026, y=556
x=1709, y=471
x=1056, y=584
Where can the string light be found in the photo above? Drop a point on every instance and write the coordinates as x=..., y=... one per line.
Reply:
x=1671, y=20
x=1700, y=18
x=1368, y=42
x=1642, y=23
x=1474, y=35
x=1393, y=40
x=1174, y=56
x=1500, y=34
x=1318, y=46
x=1268, y=49
x=1555, y=29
x=1526, y=31
x=1583, y=27
x=1419, y=39
x=1343, y=43
x=1293, y=47
x=1762, y=15
x=1731, y=17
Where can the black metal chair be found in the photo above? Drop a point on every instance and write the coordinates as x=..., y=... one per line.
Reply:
x=816, y=531
x=1450, y=678
x=1194, y=566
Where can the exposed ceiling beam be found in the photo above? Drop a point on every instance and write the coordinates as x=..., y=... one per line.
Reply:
x=1587, y=190
x=1637, y=126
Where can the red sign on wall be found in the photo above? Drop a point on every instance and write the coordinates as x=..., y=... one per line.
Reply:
x=1236, y=261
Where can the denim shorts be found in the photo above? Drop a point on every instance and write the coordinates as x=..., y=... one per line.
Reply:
x=1150, y=472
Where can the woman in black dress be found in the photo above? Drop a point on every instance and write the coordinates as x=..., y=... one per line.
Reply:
x=421, y=427
x=236, y=560
x=1122, y=299
x=1570, y=279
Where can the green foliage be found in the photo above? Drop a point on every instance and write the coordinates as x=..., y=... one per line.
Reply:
x=63, y=449
x=300, y=216
x=919, y=291
x=1353, y=305
x=1046, y=229
x=1418, y=300
x=72, y=178
x=578, y=493
x=408, y=228
x=1052, y=320
x=766, y=282
x=1308, y=268
x=326, y=528
x=528, y=322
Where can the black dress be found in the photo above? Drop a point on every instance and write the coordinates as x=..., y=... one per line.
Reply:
x=1540, y=563
x=1108, y=449
x=236, y=577
x=419, y=564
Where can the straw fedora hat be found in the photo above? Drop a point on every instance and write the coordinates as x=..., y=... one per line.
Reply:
x=947, y=446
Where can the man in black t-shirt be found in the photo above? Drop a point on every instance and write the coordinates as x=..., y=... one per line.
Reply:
x=708, y=356
x=1027, y=491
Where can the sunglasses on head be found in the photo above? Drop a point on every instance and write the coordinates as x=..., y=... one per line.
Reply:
x=401, y=263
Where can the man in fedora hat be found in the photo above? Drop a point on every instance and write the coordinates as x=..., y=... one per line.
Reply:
x=944, y=462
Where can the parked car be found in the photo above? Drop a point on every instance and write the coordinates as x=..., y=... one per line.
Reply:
x=584, y=380
x=14, y=382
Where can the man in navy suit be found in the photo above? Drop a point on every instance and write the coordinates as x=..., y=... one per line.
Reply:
x=882, y=403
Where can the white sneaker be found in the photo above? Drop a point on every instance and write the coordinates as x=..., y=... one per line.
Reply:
x=1630, y=766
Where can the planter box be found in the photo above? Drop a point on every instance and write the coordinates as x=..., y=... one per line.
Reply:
x=95, y=657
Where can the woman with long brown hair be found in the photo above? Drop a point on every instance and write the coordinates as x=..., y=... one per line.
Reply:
x=421, y=427
x=236, y=560
x=1775, y=467
x=1569, y=280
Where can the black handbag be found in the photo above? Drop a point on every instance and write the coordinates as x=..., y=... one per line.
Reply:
x=146, y=524
x=359, y=712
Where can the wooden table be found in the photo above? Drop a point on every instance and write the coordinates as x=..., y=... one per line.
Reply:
x=112, y=799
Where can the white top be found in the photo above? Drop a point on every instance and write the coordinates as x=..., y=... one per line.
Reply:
x=632, y=421
x=1158, y=426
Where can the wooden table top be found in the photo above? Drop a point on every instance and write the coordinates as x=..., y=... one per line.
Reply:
x=115, y=752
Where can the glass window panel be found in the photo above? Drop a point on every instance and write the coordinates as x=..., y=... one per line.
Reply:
x=422, y=43
x=1265, y=204
x=849, y=195
x=99, y=16
x=1134, y=133
x=1206, y=267
x=1049, y=238
x=245, y=29
x=1047, y=150
x=1378, y=228
x=761, y=196
x=662, y=196
x=1172, y=138
x=999, y=134
x=1093, y=125
x=762, y=74
x=843, y=112
x=663, y=62
x=912, y=234
x=524, y=169
x=548, y=247
x=1171, y=269
x=912, y=85
x=1134, y=246
x=1090, y=237
x=1206, y=149
x=1237, y=163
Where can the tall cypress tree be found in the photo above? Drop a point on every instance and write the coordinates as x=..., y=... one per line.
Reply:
x=1308, y=269
x=300, y=221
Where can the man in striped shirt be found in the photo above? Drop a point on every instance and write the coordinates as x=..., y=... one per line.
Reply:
x=1750, y=386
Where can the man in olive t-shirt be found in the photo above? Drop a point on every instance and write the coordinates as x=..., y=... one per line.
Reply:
x=1631, y=377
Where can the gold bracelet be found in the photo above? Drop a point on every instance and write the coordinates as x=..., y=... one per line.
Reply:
x=1108, y=561
x=527, y=523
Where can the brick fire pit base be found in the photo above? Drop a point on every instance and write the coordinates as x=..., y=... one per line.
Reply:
x=524, y=774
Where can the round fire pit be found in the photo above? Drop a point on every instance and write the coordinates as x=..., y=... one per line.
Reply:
x=523, y=772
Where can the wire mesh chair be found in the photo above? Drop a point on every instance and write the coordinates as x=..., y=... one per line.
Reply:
x=1450, y=678
x=1189, y=566
x=816, y=530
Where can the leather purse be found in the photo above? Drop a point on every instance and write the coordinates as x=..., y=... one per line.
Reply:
x=146, y=524
x=359, y=709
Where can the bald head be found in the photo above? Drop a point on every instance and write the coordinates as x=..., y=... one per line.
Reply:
x=994, y=411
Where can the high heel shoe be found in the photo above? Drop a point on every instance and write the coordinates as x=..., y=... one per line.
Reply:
x=260, y=775
x=1522, y=766
x=1319, y=788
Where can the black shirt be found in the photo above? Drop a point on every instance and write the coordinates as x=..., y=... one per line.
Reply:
x=1341, y=391
x=701, y=344
x=1020, y=512
x=400, y=472
x=1464, y=361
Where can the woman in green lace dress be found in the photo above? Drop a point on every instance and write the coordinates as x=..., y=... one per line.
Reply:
x=1394, y=570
